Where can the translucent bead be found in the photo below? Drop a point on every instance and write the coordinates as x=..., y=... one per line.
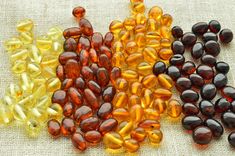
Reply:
x=155, y=13
x=121, y=114
x=26, y=83
x=55, y=111
x=136, y=88
x=39, y=90
x=39, y=114
x=20, y=54
x=39, y=80
x=55, y=33
x=131, y=47
x=8, y=101
x=34, y=54
x=48, y=72
x=121, y=84
x=134, y=100
x=152, y=25
x=57, y=47
x=13, y=44
x=19, y=113
x=131, y=145
x=159, y=105
x=129, y=23
x=19, y=66
x=150, y=55
x=33, y=70
x=165, y=32
x=117, y=46
x=43, y=102
x=26, y=101
x=120, y=99
x=26, y=37
x=125, y=128
x=174, y=108
x=151, y=114
x=144, y=68
x=116, y=26
x=14, y=90
x=147, y=98
x=153, y=35
x=166, y=20
x=140, y=39
x=138, y=134
x=53, y=84
x=49, y=61
x=136, y=113
x=118, y=59
x=130, y=75
x=140, y=19
x=134, y=59
x=113, y=140
x=24, y=25
x=149, y=81
x=138, y=7
x=165, y=54
x=162, y=93
x=6, y=115
x=44, y=42
x=155, y=136
x=165, y=81
x=33, y=127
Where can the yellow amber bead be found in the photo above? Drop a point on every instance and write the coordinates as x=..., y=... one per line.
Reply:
x=155, y=136
x=165, y=53
x=174, y=108
x=134, y=59
x=48, y=72
x=153, y=35
x=133, y=1
x=121, y=84
x=27, y=101
x=136, y=113
x=121, y=114
x=134, y=100
x=26, y=83
x=151, y=114
x=39, y=80
x=24, y=25
x=155, y=13
x=44, y=42
x=125, y=128
x=117, y=46
x=159, y=105
x=150, y=55
x=140, y=29
x=162, y=93
x=6, y=116
x=39, y=114
x=33, y=127
x=19, y=66
x=115, y=26
x=120, y=99
x=154, y=44
x=152, y=25
x=165, y=81
x=55, y=111
x=131, y=145
x=34, y=54
x=113, y=140
x=140, y=19
x=26, y=37
x=9, y=101
x=166, y=43
x=124, y=35
x=144, y=68
x=39, y=90
x=147, y=98
x=130, y=75
x=43, y=102
x=33, y=69
x=55, y=33
x=149, y=81
x=14, y=90
x=165, y=32
x=20, y=54
x=49, y=61
x=166, y=20
x=136, y=88
x=53, y=84
x=131, y=47
x=129, y=23
x=13, y=44
x=118, y=59
x=19, y=113
x=57, y=48
x=138, y=7
x=140, y=39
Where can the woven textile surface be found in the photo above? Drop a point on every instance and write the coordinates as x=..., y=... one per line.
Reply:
x=46, y=13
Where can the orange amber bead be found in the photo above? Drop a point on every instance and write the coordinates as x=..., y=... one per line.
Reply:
x=53, y=127
x=68, y=126
x=165, y=81
x=134, y=100
x=59, y=97
x=155, y=136
x=93, y=137
x=149, y=81
x=131, y=145
x=108, y=94
x=82, y=113
x=155, y=13
x=163, y=94
x=73, y=32
x=116, y=26
x=125, y=128
x=108, y=39
x=108, y=125
x=159, y=105
x=121, y=114
x=120, y=99
x=68, y=109
x=72, y=69
x=79, y=141
x=136, y=113
x=87, y=73
x=138, y=134
x=174, y=108
x=149, y=124
x=96, y=40
x=105, y=111
x=75, y=97
x=121, y=84
x=86, y=27
x=78, y=12
x=89, y=124
x=115, y=73
x=65, y=56
x=91, y=99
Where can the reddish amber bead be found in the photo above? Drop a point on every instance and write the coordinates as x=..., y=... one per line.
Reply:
x=84, y=57
x=212, y=48
x=222, y=67
x=173, y=72
x=200, y=28
x=66, y=84
x=189, y=95
x=93, y=137
x=207, y=108
x=228, y=119
x=78, y=12
x=92, y=85
x=177, y=32
x=70, y=44
x=93, y=55
x=96, y=40
x=59, y=97
x=65, y=56
x=73, y=32
x=214, y=26
x=105, y=111
x=115, y=73
x=80, y=84
x=108, y=39
x=53, y=127
x=177, y=60
x=220, y=80
x=68, y=109
x=183, y=83
x=108, y=93
x=222, y=105
x=87, y=73
x=202, y=135
x=131, y=145
x=188, y=68
x=159, y=68
x=216, y=128
x=91, y=99
x=232, y=106
x=105, y=50
x=178, y=47
x=197, y=50
x=86, y=27
x=149, y=124
x=205, y=72
x=208, y=91
x=89, y=124
x=102, y=77
x=75, y=97
x=82, y=113
x=196, y=80
x=68, y=126
x=60, y=72
x=138, y=134
x=108, y=125
x=209, y=36
x=190, y=109
x=83, y=43
x=72, y=69
x=105, y=62
x=189, y=39
x=191, y=122
x=79, y=141
x=226, y=35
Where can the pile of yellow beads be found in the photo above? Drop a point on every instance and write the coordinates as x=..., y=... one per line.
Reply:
x=34, y=61
x=141, y=96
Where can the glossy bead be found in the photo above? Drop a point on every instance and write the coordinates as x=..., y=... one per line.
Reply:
x=212, y=48
x=26, y=37
x=73, y=32
x=226, y=35
x=162, y=93
x=182, y=84
x=79, y=141
x=6, y=115
x=188, y=68
x=44, y=42
x=220, y=80
x=214, y=26
x=151, y=113
x=150, y=54
x=159, y=105
x=78, y=12
x=197, y=50
x=82, y=113
x=124, y=128
x=19, y=112
x=72, y=69
x=60, y=72
x=174, y=108
x=33, y=128
x=105, y=111
x=231, y=139
x=209, y=36
x=208, y=91
x=165, y=81
x=177, y=47
x=136, y=88
x=115, y=73
x=149, y=124
x=189, y=96
x=131, y=145
x=68, y=109
x=129, y=23
x=53, y=127
x=202, y=135
x=173, y=72
x=75, y=97
x=115, y=26
x=55, y=33
x=59, y=97
x=130, y=75
x=86, y=27
x=155, y=136
x=149, y=81
x=196, y=80
x=108, y=39
x=13, y=44
x=165, y=53
x=102, y=77
x=159, y=68
x=108, y=125
x=200, y=28
x=14, y=90
x=55, y=111
x=147, y=98
x=67, y=126
x=120, y=99
x=208, y=60
x=155, y=13
x=189, y=39
x=222, y=67
x=222, y=105
x=80, y=83
x=113, y=140
x=191, y=122
x=228, y=119
x=93, y=137
x=190, y=109
x=64, y=57
x=228, y=92
x=24, y=25
x=177, y=32
x=207, y=108
x=205, y=72
x=138, y=7
x=108, y=93
x=91, y=99
x=177, y=60
x=216, y=128
x=120, y=114
x=89, y=124
x=136, y=113
x=138, y=134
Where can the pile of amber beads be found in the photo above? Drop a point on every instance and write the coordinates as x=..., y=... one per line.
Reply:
x=33, y=60
x=206, y=79
x=141, y=96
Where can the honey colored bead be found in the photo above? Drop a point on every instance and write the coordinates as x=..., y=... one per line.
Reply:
x=79, y=141
x=131, y=145
x=166, y=43
x=130, y=75
x=118, y=60
x=115, y=26
x=121, y=84
x=154, y=44
x=89, y=124
x=26, y=101
x=152, y=25
x=20, y=54
x=26, y=82
x=82, y=113
x=124, y=35
x=140, y=28
x=33, y=127
x=136, y=113
x=44, y=42
x=55, y=33
x=155, y=136
x=13, y=44
x=40, y=80
x=67, y=126
x=134, y=100
x=144, y=68
x=121, y=114
x=19, y=113
x=19, y=66
x=91, y=99
x=161, y=93
x=54, y=111
x=140, y=39
x=120, y=99
x=149, y=124
x=72, y=69
x=34, y=54
x=150, y=54
x=165, y=54
x=129, y=23
x=131, y=47
x=155, y=13
x=53, y=84
x=149, y=81
x=117, y=46
x=113, y=140
x=133, y=1
x=26, y=37
x=125, y=128
x=147, y=98
x=24, y=25
x=6, y=116
x=165, y=81
x=174, y=108
x=151, y=114
x=141, y=19
x=79, y=12
x=134, y=59
x=93, y=137
x=153, y=35
x=53, y=127
x=108, y=125
x=166, y=20
x=33, y=69
x=138, y=134
x=115, y=73
x=138, y=7
x=165, y=32
x=159, y=105
x=136, y=88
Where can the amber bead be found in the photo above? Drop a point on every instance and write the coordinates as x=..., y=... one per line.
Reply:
x=202, y=135
x=196, y=80
x=102, y=77
x=159, y=68
x=177, y=60
x=214, y=26
x=93, y=137
x=162, y=93
x=155, y=13
x=75, y=97
x=208, y=91
x=207, y=108
x=113, y=140
x=105, y=111
x=151, y=113
x=191, y=122
x=165, y=53
x=149, y=81
x=70, y=44
x=208, y=60
x=115, y=26
x=174, y=108
x=136, y=88
x=60, y=72
x=197, y=50
x=121, y=114
x=131, y=145
x=53, y=127
x=228, y=119
x=68, y=109
x=228, y=92
x=72, y=69
x=78, y=12
x=107, y=126
x=108, y=93
x=200, y=28
x=91, y=99
x=108, y=39
x=222, y=67
x=136, y=113
x=73, y=32
x=96, y=40
x=188, y=68
x=94, y=67
x=121, y=84
x=189, y=39
x=173, y=72
x=182, y=84
x=64, y=57
x=83, y=43
x=231, y=139
x=159, y=105
x=120, y=99
x=216, y=128
x=190, y=109
x=67, y=126
x=115, y=73
x=189, y=96
x=155, y=136
x=84, y=57
x=220, y=80
x=205, y=72
x=89, y=124
x=209, y=36
x=125, y=127
x=232, y=106
x=86, y=27
x=226, y=35
x=138, y=134
x=177, y=32
x=212, y=48
x=80, y=83
x=149, y=124
x=222, y=105
x=177, y=47
x=147, y=98
x=92, y=85
x=59, y=97
x=82, y=113
x=79, y=141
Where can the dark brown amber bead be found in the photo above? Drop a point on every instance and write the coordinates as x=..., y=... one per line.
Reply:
x=188, y=68
x=202, y=135
x=108, y=94
x=74, y=32
x=105, y=111
x=86, y=27
x=92, y=85
x=78, y=12
x=233, y=106
x=78, y=141
x=108, y=39
x=173, y=72
x=94, y=67
x=214, y=26
x=231, y=139
x=102, y=77
x=138, y=134
x=82, y=113
x=93, y=55
x=72, y=69
x=105, y=62
x=207, y=108
x=159, y=68
x=65, y=56
x=200, y=28
x=177, y=60
x=228, y=119
x=70, y=44
x=115, y=73
x=59, y=96
x=189, y=95
x=190, y=109
x=222, y=67
x=88, y=124
x=93, y=137
x=196, y=80
x=149, y=124
x=91, y=99
x=96, y=40
x=75, y=97
x=216, y=128
x=108, y=125
x=84, y=57
x=182, y=84
x=208, y=91
x=220, y=80
x=60, y=72
x=105, y=50
x=83, y=43
x=226, y=35
x=80, y=84
x=66, y=84
x=206, y=72
x=212, y=48
x=222, y=105
x=178, y=47
x=87, y=73
x=68, y=109
x=191, y=122
x=197, y=50
x=177, y=32
x=208, y=60
x=209, y=36
x=189, y=39
x=228, y=92
x=68, y=126
x=53, y=127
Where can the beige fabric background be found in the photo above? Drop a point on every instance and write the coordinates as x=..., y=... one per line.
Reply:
x=47, y=13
